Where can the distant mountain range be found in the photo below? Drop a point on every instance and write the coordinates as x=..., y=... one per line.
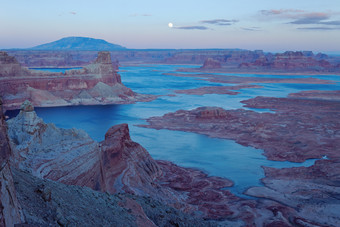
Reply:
x=79, y=43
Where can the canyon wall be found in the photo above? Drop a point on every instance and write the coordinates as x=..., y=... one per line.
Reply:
x=10, y=209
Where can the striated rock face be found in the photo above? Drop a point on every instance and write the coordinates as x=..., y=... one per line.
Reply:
x=210, y=63
x=53, y=153
x=127, y=166
x=10, y=209
x=96, y=83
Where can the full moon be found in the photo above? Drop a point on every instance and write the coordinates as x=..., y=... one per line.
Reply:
x=170, y=25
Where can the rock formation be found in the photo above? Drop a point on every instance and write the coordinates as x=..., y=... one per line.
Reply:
x=210, y=63
x=50, y=152
x=10, y=209
x=96, y=83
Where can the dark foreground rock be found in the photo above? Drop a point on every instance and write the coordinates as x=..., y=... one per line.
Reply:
x=48, y=203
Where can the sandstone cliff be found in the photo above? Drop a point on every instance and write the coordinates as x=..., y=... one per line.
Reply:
x=10, y=209
x=96, y=83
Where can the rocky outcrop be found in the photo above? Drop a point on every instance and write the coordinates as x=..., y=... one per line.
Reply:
x=210, y=63
x=10, y=209
x=127, y=166
x=95, y=84
x=53, y=153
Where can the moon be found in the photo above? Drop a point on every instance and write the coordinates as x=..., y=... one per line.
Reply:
x=170, y=25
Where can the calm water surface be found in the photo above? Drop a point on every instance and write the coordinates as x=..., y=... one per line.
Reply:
x=216, y=157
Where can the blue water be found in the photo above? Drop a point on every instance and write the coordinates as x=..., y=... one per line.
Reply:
x=214, y=156
x=55, y=70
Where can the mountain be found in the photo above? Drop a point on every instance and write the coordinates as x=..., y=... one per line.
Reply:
x=79, y=43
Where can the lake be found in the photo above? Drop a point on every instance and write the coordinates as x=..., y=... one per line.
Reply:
x=217, y=157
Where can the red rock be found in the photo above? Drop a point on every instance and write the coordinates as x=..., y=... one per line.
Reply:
x=210, y=63
x=126, y=165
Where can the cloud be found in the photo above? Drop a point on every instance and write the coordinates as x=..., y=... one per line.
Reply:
x=280, y=12
x=254, y=29
x=73, y=13
x=311, y=18
x=221, y=22
x=192, y=27
x=319, y=28
x=301, y=17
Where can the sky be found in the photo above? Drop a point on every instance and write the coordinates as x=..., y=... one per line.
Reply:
x=269, y=25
